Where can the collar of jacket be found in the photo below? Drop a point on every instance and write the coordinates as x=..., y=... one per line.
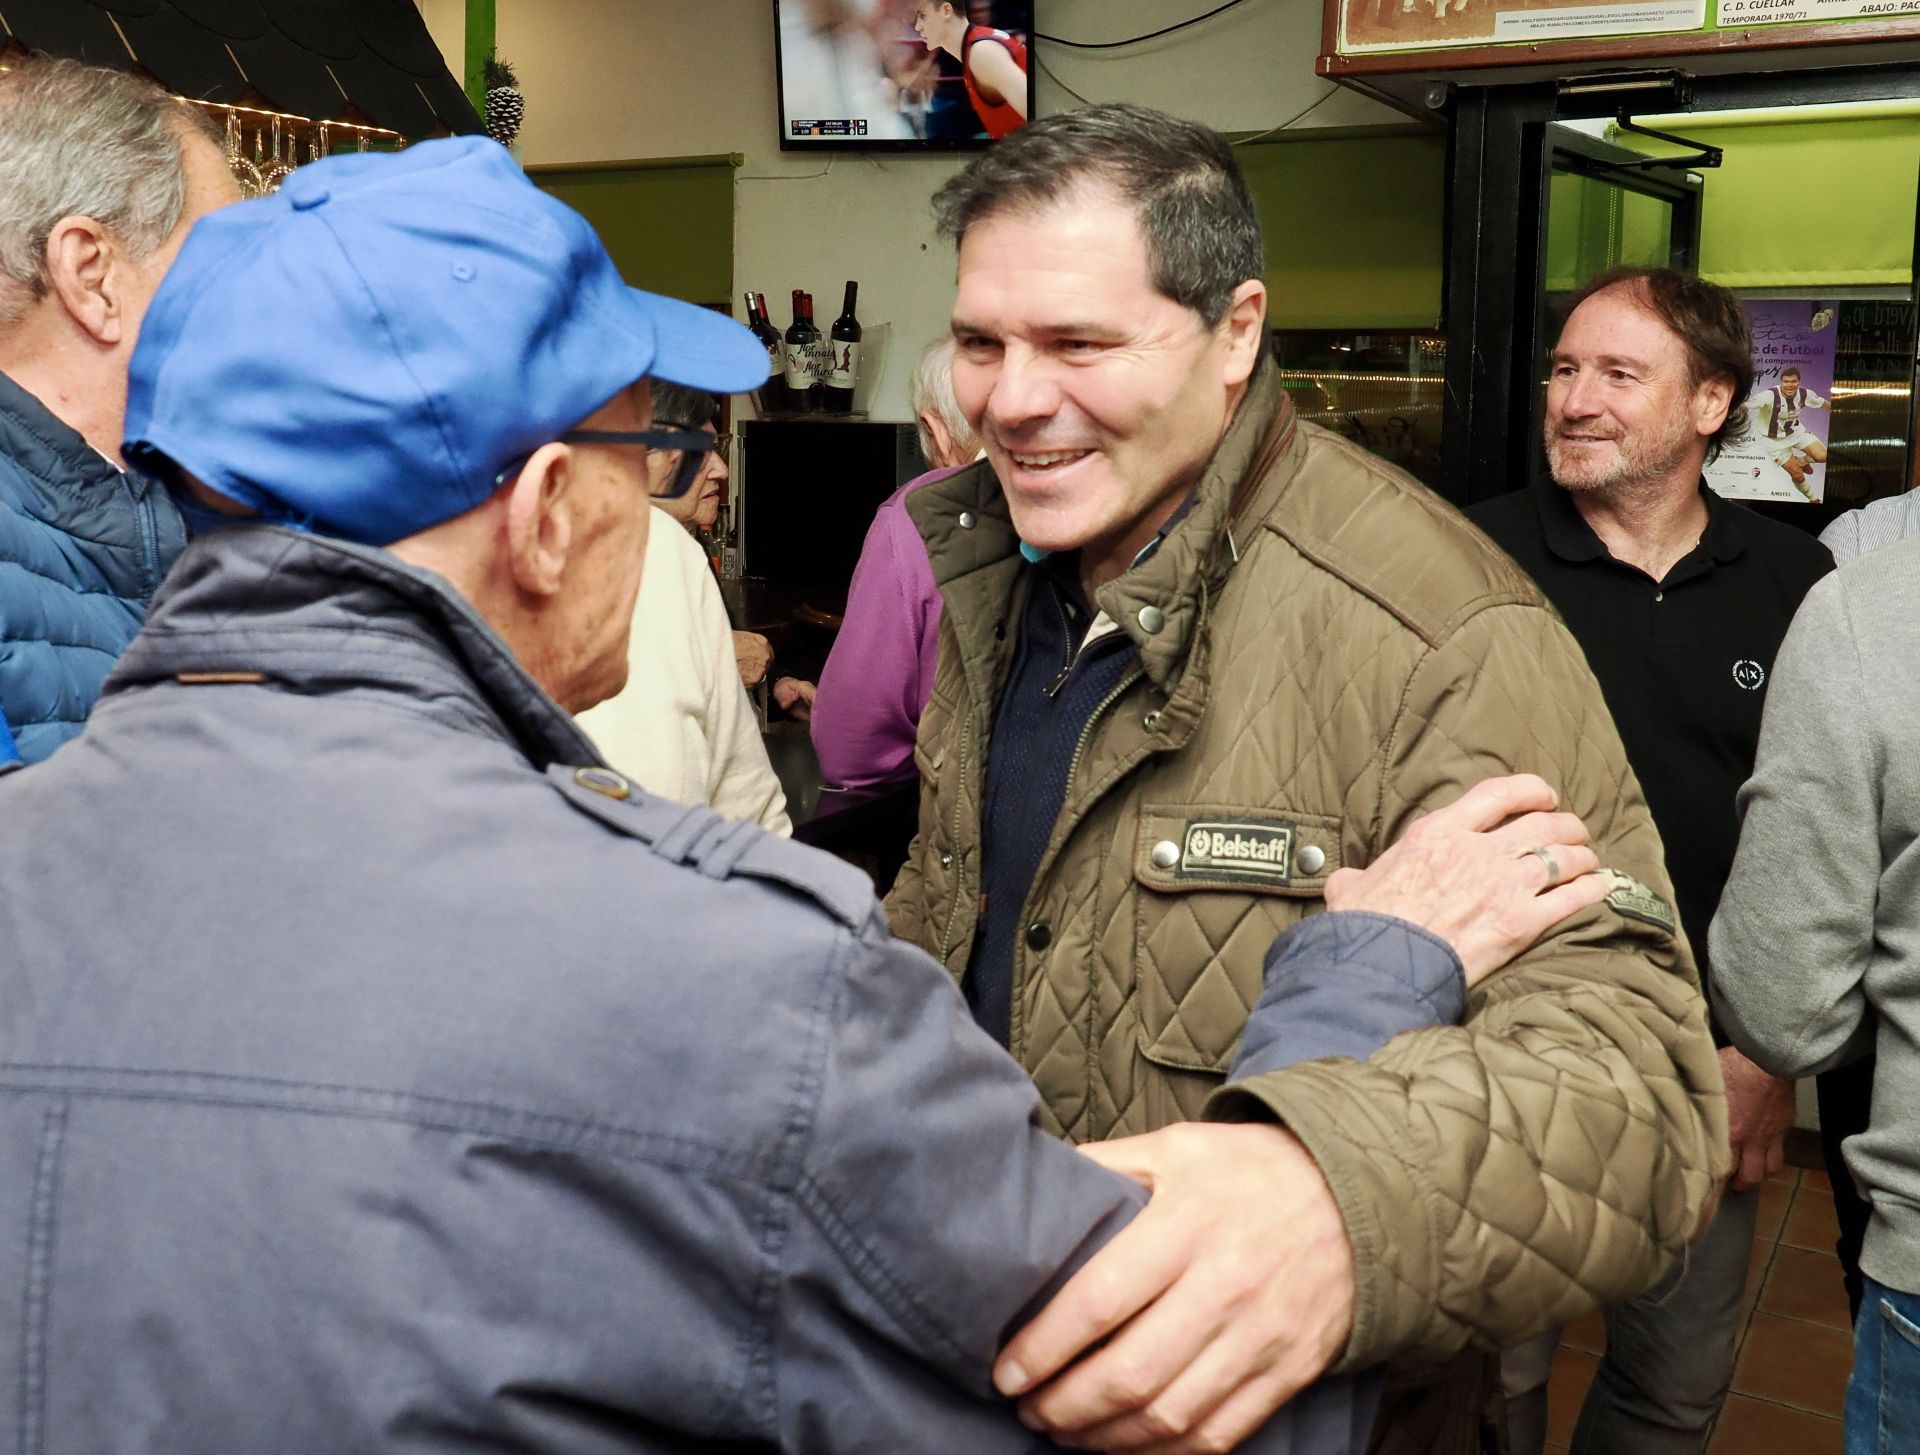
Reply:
x=968, y=530
x=321, y=616
x=46, y=446
x=69, y=471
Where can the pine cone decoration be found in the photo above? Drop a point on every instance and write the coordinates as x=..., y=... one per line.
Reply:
x=506, y=107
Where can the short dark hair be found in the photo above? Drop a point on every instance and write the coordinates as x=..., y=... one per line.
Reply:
x=677, y=404
x=1793, y=369
x=1709, y=320
x=1195, y=212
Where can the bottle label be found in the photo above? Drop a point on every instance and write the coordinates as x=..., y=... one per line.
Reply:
x=799, y=366
x=822, y=358
x=846, y=365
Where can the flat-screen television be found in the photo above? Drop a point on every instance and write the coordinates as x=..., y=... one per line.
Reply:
x=902, y=75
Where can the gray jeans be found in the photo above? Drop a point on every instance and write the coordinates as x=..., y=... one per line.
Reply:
x=1669, y=1354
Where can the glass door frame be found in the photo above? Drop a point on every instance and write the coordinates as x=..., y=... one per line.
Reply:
x=1602, y=161
x=1499, y=161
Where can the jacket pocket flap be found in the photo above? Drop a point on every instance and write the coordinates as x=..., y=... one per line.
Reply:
x=1188, y=847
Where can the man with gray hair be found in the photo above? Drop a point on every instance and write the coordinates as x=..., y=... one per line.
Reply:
x=1197, y=659
x=101, y=175
x=946, y=439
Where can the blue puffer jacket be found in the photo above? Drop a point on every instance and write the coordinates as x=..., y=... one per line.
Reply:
x=82, y=549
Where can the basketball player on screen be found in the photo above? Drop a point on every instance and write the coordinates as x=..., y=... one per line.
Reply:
x=995, y=63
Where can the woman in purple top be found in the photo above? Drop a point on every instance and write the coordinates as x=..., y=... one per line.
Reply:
x=867, y=705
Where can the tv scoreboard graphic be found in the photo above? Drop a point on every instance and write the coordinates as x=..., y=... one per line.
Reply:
x=846, y=126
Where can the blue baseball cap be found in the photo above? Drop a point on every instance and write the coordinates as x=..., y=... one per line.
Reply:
x=362, y=353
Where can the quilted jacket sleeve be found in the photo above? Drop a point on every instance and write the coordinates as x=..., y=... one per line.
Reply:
x=1558, y=1149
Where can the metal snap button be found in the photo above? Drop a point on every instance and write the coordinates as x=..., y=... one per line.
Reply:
x=1151, y=722
x=946, y=861
x=1311, y=859
x=1152, y=618
x=1038, y=936
x=966, y=520
x=603, y=780
x=1165, y=854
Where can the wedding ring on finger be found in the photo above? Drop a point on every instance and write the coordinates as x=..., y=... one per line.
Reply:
x=1545, y=856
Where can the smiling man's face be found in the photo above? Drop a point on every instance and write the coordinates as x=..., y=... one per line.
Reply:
x=1098, y=398
x=1622, y=408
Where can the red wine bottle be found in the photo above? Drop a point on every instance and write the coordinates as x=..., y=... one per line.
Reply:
x=802, y=340
x=843, y=370
x=771, y=397
x=822, y=356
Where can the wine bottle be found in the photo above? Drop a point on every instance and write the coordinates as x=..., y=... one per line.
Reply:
x=844, y=370
x=801, y=337
x=822, y=356
x=770, y=397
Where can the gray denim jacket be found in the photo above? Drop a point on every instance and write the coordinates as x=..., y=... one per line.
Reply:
x=373, y=1079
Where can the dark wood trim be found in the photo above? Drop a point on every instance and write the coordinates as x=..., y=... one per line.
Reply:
x=1640, y=50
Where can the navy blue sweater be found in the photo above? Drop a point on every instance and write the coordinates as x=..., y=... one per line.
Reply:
x=1053, y=690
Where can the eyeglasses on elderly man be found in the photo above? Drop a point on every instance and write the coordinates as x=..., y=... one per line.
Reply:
x=693, y=456
x=693, y=443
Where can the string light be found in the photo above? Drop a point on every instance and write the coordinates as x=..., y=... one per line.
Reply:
x=1315, y=376
x=263, y=112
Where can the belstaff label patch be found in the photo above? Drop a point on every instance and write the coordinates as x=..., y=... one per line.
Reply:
x=1258, y=853
x=1633, y=900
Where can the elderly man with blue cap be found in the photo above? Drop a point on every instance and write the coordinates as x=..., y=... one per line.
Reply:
x=382, y=1070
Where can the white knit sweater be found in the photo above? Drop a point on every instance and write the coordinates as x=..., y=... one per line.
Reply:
x=682, y=726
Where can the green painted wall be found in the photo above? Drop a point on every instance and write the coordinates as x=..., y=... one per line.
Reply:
x=480, y=29
x=667, y=224
x=1354, y=228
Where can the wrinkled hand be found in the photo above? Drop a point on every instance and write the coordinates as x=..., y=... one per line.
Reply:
x=1760, y=1113
x=1467, y=874
x=1234, y=1286
x=753, y=654
x=793, y=695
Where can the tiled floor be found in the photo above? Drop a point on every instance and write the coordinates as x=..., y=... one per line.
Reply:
x=1795, y=1349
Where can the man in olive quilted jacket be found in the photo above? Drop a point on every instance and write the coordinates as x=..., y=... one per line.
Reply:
x=1196, y=658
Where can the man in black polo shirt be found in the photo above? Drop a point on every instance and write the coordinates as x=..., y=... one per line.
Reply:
x=1680, y=600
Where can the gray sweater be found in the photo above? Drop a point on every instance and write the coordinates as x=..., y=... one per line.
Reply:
x=1816, y=946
